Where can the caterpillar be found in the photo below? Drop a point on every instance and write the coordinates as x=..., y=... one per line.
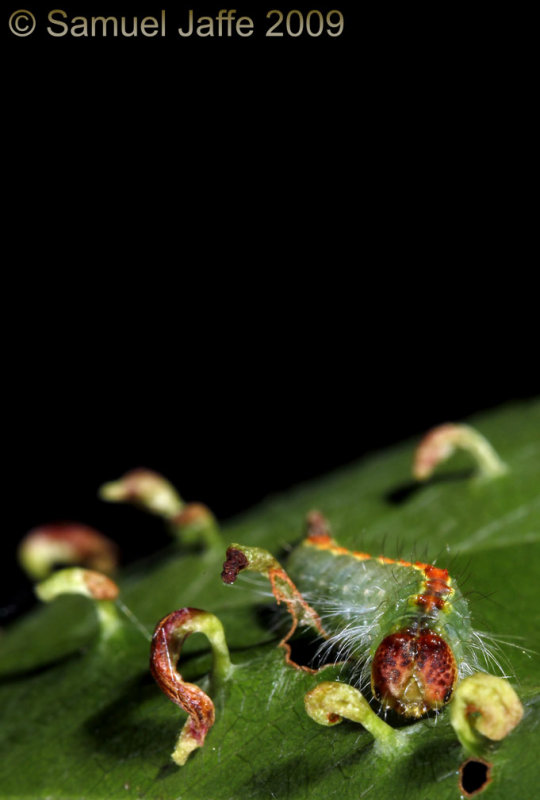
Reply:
x=404, y=626
x=400, y=624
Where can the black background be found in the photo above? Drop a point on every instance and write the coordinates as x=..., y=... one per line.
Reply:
x=229, y=441
x=246, y=262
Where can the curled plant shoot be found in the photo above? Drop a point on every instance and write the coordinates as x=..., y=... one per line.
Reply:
x=64, y=543
x=401, y=627
x=439, y=444
x=169, y=637
x=145, y=489
x=240, y=557
x=485, y=709
x=189, y=523
x=99, y=588
x=331, y=701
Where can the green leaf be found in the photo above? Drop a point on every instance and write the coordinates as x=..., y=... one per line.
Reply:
x=83, y=718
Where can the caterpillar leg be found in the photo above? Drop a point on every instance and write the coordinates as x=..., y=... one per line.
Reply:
x=241, y=557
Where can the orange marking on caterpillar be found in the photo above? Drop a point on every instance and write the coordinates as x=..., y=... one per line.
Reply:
x=436, y=578
x=435, y=588
x=435, y=573
x=321, y=542
x=327, y=543
x=429, y=601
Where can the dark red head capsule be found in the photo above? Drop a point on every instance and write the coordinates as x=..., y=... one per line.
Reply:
x=413, y=672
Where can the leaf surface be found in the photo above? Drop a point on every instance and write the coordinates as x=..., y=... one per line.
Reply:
x=82, y=718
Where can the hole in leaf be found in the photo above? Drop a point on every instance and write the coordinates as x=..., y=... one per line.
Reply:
x=304, y=651
x=474, y=776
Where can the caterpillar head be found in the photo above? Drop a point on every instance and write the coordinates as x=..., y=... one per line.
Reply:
x=413, y=672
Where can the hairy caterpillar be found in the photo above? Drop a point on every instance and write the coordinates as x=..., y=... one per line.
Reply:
x=402, y=628
x=401, y=624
